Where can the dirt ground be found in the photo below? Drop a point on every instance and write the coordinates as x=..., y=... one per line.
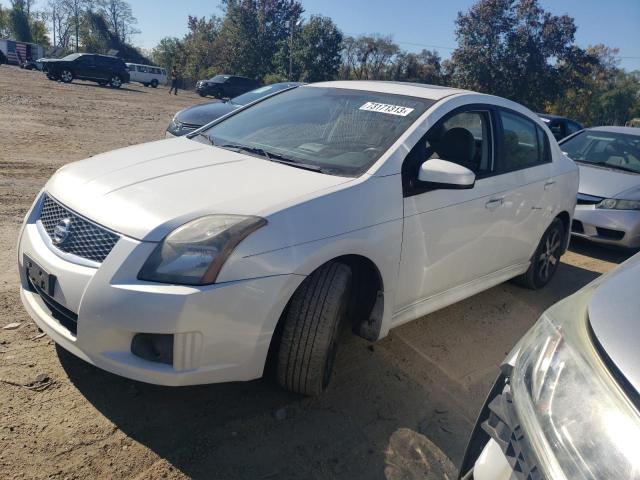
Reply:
x=401, y=408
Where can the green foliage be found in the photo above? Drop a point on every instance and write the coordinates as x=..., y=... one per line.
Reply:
x=316, y=52
x=19, y=21
x=511, y=48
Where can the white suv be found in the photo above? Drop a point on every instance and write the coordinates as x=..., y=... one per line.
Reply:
x=360, y=204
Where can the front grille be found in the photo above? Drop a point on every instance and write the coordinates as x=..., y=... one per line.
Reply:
x=85, y=239
x=66, y=317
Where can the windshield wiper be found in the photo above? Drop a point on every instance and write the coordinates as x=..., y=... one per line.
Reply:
x=620, y=167
x=204, y=135
x=272, y=156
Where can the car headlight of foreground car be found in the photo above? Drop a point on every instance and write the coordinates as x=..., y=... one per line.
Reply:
x=616, y=204
x=194, y=253
x=576, y=418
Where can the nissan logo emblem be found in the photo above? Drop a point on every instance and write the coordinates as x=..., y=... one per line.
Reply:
x=61, y=231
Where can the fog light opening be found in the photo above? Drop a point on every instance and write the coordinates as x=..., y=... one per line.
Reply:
x=155, y=347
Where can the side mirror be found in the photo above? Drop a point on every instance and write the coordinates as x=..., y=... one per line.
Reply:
x=445, y=174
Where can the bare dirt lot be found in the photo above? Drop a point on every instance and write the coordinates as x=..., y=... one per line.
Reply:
x=399, y=408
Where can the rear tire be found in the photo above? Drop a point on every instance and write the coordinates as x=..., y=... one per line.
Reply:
x=66, y=76
x=311, y=325
x=154, y=83
x=546, y=258
x=115, y=81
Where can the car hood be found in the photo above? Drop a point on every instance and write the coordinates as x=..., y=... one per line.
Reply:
x=205, y=113
x=605, y=182
x=613, y=314
x=147, y=190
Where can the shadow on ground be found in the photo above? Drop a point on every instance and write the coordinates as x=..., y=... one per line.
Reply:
x=601, y=252
x=396, y=409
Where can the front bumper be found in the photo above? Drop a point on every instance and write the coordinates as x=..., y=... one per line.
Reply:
x=221, y=332
x=612, y=227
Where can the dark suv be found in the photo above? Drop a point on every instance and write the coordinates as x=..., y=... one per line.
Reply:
x=226, y=86
x=104, y=69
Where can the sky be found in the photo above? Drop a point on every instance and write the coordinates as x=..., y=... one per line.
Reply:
x=414, y=24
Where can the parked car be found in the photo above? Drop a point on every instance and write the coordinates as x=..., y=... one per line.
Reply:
x=104, y=69
x=565, y=405
x=148, y=75
x=561, y=127
x=185, y=261
x=226, y=86
x=192, y=118
x=30, y=65
x=608, y=209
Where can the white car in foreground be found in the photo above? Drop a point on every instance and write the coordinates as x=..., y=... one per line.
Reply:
x=370, y=204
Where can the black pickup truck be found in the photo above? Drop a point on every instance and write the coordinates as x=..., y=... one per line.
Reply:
x=104, y=69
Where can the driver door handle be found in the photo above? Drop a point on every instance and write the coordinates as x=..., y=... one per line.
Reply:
x=550, y=184
x=494, y=203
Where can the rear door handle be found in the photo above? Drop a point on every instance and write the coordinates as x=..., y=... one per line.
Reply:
x=548, y=185
x=494, y=203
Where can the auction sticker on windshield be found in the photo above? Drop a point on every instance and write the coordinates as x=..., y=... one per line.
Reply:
x=385, y=108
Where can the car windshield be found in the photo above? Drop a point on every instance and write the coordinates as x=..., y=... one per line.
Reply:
x=72, y=56
x=338, y=131
x=219, y=78
x=258, y=93
x=608, y=149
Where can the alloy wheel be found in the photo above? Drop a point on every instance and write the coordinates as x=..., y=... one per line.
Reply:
x=115, y=81
x=66, y=76
x=548, y=259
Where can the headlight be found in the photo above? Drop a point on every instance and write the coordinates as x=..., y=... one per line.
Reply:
x=615, y=204
x=577, y=420
x=175, y=125
x=194, y=253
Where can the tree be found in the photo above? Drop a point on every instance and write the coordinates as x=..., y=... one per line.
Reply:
x=511, y=48
x=423, y=67
x=168, y=52
x=5, y=23
x=316, y=54
x=19, y=20
x=253, y=32
x=119, y=18
x=369, y=57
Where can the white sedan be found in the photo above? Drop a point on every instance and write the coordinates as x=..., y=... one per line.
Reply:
x=360, y=204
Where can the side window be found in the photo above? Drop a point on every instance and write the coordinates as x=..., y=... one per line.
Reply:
x=556, y=128
x=523, y=143
x=464, y=139
x=87, y=60
x=573, y=128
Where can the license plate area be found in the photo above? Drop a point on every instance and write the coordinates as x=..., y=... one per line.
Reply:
x=38, y=276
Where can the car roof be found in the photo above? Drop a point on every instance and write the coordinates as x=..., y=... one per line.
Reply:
x=626, y=130
x=421, y=90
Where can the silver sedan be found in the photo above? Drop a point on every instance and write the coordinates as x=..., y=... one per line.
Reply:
x=608, y=208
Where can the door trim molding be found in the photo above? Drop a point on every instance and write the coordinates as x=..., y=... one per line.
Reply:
x=455, y=294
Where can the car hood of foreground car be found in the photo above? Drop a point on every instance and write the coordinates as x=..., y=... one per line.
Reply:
x=613, y=314
x=205, y=113
x=606, y=182
x=147, y=190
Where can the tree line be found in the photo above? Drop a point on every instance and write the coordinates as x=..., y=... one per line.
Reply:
x=511, y=48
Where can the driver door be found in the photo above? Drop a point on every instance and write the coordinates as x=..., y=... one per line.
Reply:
x=451, y=237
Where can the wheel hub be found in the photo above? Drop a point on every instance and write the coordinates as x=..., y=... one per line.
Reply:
x=550, y=253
